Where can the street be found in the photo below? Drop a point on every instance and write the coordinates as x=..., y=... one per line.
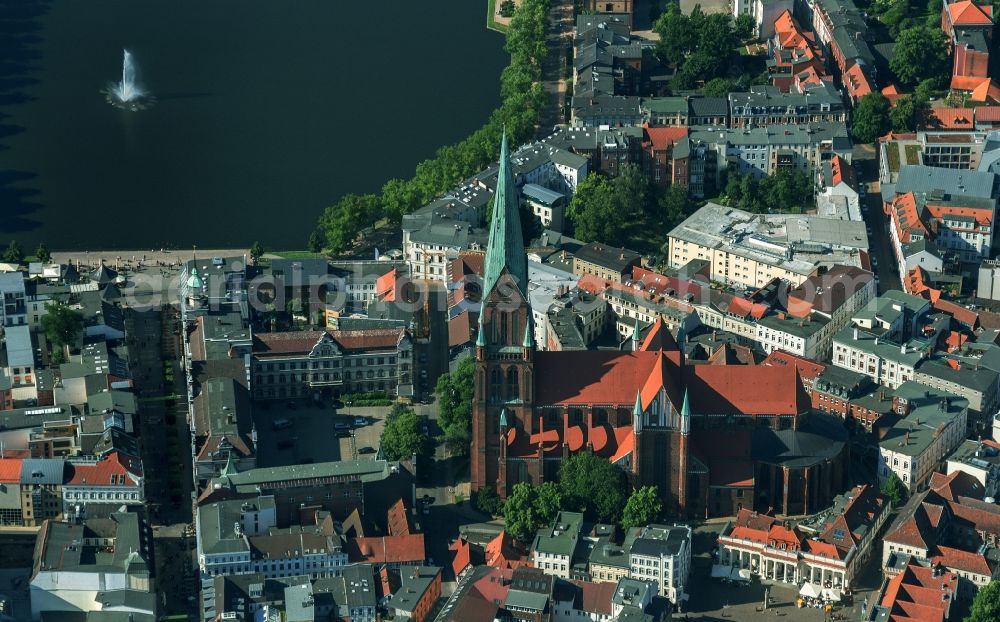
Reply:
x=883, y=262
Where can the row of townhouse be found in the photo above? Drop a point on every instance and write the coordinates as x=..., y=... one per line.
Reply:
x=33, y=490
x=828, y=549
x=657, y=554
x=949, y=526
x=751, y=250
x=936, y=212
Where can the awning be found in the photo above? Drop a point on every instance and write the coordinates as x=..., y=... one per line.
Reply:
x=740, y=574
x=720, y=572
x=809, y=590
x=831, y=595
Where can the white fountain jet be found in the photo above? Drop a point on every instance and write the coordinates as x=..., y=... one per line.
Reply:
x=128, y=90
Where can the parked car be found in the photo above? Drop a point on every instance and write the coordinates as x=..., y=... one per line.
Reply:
x=341, y=425
x=281, y=424
x=366, y=450
x=360, y=421
x=343, y=434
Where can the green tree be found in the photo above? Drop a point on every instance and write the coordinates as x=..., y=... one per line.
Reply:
x=13, y=254
x=592, y=485
x=507, y=8
x=343, y=222
x=520, y=512
x=548, y=502
x=744, y=27
x=719, y=87
x=986, y=604
x=42, y=253
x=316, y=241
x=61, y=325
x=488, y=501
x=256, y=252
x=398, y=198
x=908, y=113
x=674, y=206
x=920, y=53
x=403, y=435
x=643, y=507
x=455, y=395
x=677, y=38
x=592, y=211
x=871, y=118
x=895, y=490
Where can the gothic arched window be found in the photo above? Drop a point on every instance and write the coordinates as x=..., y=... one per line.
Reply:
x=495, y=384
x=513, y=391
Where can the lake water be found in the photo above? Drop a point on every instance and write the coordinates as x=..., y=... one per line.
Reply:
x=268, y=110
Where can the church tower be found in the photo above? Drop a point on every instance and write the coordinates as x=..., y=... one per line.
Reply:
x=504, y=381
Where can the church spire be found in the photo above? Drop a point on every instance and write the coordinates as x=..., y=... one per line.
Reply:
x=506, y=247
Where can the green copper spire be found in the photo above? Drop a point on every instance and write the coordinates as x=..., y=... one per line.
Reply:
x=637, y=411
x=506, y=248
x=481, y=333
x=635, y=331
x=529, y=338
x=686, y=406
x=503, y=418
x=229, y=468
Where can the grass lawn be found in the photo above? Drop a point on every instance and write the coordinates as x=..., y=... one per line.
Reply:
x=491, y=23
x=892, y=151
x=912, y=154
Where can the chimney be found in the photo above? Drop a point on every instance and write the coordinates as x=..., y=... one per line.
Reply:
x=855, y=333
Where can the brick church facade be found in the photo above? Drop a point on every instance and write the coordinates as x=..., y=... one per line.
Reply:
x=712, y=438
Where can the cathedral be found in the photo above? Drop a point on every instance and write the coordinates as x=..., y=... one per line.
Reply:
x=712, y=438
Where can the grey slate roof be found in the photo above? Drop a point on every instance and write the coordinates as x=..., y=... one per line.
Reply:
x=917, y=178
x=48, y=471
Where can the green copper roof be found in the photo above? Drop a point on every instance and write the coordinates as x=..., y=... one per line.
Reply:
x=503, y=418
x=229, y=468
x=481, y=333
x=637, y=411
x=635, y=331
x=194, y=281
x=686, y=406
x=505, y=249
x=529, y=339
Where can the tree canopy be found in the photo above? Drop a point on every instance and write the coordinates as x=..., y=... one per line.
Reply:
x=699, y=44
x=592, y=485
x=604, y=208
x=343, y=221
x=895, y=490
x=42, y=253
x=455, y=395
x=643, y=507
x=871, y=118
x=528, y=507
x=61, y=325
x=771, y=193
x=13, y=254
x=403, y=435
x=256, y=252
x=986, y=604
x=488, y=501
x=920, y=53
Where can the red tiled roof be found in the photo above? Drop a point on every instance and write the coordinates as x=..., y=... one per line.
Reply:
x=957, y=559
x=503, y=552
x=745, y=389
x=107, y=472
x=591, y=377
x=968, y=13
x=987, y=113
x=460, y=329
x=387, y=549
x=385, y=286
x=917, y=595
x=398, y=522
x=373, y=339
x=950, y=118
x=662, y=138
x=10, y=470
x=462, y=555
x=595, y=597
x=983, y=216
x=856, y=82
x=658, y=337
x=808, y=369
x=285, y=342
x=967, y=316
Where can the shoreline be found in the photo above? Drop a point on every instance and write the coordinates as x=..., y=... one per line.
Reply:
x=145, y=257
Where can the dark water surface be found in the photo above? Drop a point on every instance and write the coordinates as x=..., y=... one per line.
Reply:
x=268, y=111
